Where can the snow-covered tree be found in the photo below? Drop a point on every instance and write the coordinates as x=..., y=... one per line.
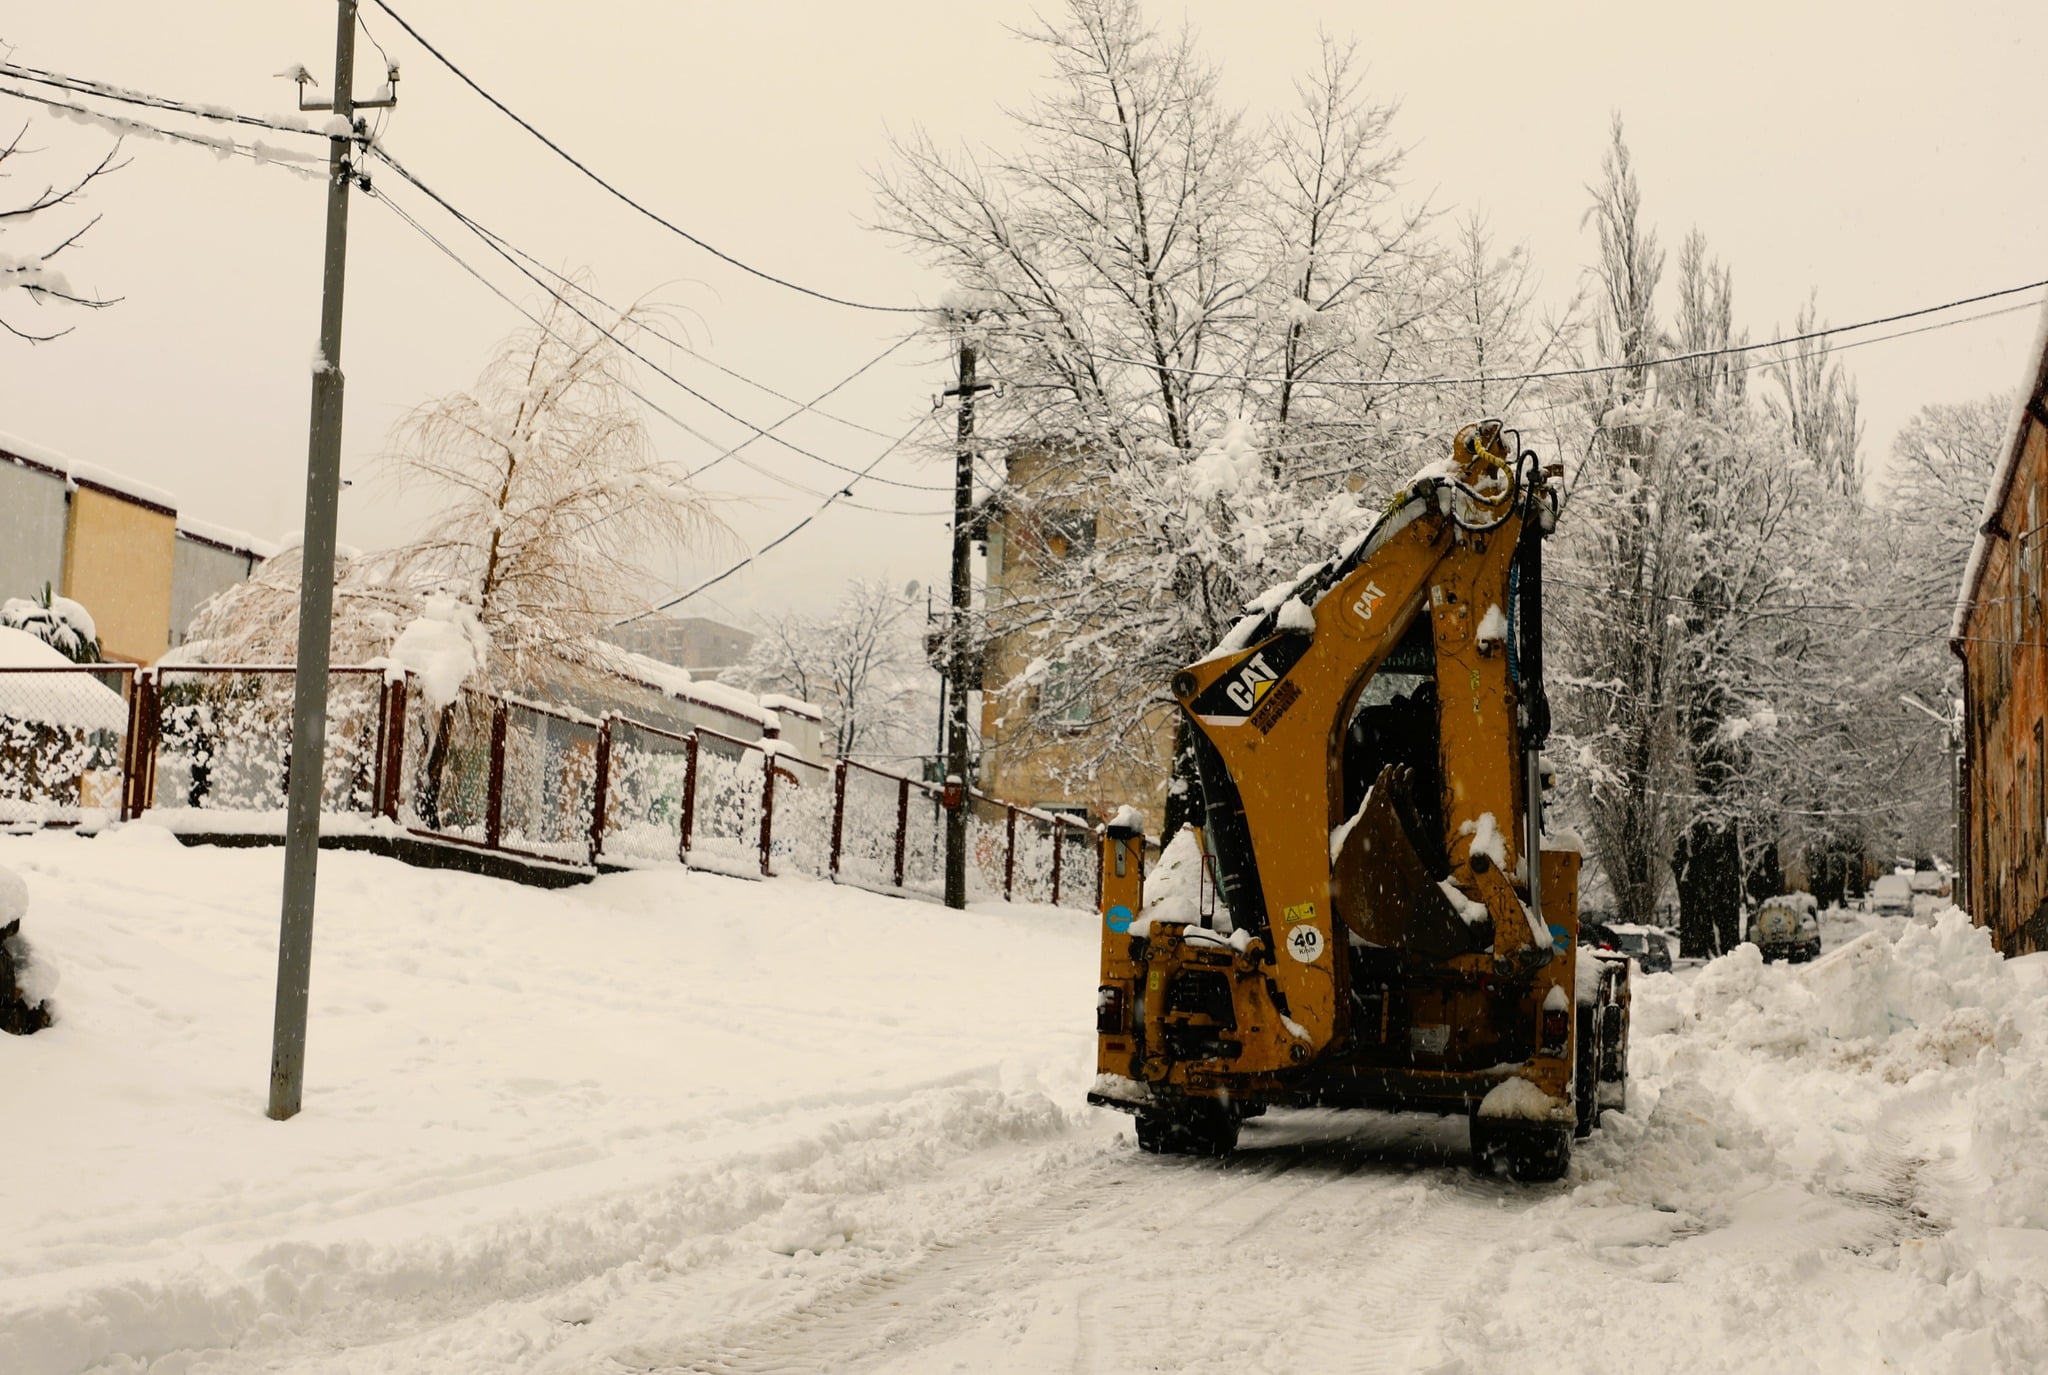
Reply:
x=1190, y=314
x=862, y=663
x=545, y=495
x=59, y=622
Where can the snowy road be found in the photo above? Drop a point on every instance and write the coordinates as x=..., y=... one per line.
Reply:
x=674, y=1123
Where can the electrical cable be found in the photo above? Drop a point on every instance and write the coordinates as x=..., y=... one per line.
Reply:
x=811, y=406
x=785, y=535
x=302, y=164
x=1589, y=370
x=640, y=396
x=669, y=225
x=79, y=85
x=490, y=242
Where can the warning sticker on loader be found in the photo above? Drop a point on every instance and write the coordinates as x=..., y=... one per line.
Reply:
x=1304, y=943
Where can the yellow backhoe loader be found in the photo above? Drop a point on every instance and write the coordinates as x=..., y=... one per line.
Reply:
x=1388, y=928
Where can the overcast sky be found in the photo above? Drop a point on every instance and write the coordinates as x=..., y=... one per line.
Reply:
x=1888, y=156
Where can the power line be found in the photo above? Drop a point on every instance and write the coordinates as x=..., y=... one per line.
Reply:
x=812, y=406
x=79, y=85
x=671, y=226
x=1588, y=371
x=491, y=242
x=302, y=164
x=785, y=535
x=638, y=395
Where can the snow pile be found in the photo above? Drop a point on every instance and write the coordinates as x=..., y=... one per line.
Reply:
x=443, y=645
x=74, y=701
x=513, y=1096
x=1173, y=885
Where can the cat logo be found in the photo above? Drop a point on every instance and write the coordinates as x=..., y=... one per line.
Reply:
x=1253, y=681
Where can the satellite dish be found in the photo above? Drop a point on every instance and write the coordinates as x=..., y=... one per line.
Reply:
x=911, y=589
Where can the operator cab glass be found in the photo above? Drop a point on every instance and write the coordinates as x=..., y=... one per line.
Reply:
x=1394, y=721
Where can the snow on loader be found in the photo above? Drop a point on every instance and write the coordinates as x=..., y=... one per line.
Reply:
x=1363, y=752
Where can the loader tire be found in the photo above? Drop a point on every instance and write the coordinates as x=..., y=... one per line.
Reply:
x=1202, y=1130
x=1586, y=1074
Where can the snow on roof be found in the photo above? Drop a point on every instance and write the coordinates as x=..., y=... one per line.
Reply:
x=795, y=706
x=77, y=701
x=2033, y=384
x=677, y=683
x=238, y=540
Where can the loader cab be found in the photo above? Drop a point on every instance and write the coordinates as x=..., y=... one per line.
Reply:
x=1393, y=720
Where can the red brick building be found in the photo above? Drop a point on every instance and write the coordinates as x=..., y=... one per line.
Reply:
x=2001, y=635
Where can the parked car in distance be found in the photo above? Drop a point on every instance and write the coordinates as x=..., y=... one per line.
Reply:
x=1595, y=934
x=1647, y=945
x=1891, y=895
x=1787, y=927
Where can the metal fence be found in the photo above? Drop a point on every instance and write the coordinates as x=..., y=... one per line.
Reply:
x=83, y=745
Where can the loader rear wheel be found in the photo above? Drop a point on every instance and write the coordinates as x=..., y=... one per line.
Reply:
x=1533, y=1152
x=1586, y=1077
x=1204, y=1129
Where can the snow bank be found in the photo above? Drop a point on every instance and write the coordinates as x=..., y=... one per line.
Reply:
x=509, y=1092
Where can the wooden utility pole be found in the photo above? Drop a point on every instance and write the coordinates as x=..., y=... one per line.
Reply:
x=316, y=592
x=962, y=653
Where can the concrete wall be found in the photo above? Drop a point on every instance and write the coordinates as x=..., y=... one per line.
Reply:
x=200, y=570
x=118, y=558
x=31, y=530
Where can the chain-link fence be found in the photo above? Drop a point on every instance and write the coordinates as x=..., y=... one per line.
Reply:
x=220, y=739
x=647, y=784
x=802, y=801
x=63, y=744
x=727, y=806
x=83, y=744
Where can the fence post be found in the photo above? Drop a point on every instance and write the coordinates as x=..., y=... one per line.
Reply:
x=131, y=760
x=393, y=762
x=601, y=787
x=1010, y=852
x=1059, y=853
x=689, y=800
x=838, y=815
x=494, y=796
x=902, y=824
x=767, y=812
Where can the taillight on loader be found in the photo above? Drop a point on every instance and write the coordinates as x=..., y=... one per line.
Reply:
x=1110, y=1010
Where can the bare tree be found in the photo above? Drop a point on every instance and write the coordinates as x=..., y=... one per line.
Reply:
x=1181, y=305
x=547, y=493
x=28, y=250
x=862, y=663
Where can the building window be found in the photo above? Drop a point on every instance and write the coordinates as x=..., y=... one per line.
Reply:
x=1068, y=534
x=1065, y=700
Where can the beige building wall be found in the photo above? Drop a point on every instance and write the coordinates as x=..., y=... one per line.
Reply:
x=1049, y=768
x=118, y=556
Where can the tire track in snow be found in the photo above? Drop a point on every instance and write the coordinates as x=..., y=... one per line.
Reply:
x=1071, y=1279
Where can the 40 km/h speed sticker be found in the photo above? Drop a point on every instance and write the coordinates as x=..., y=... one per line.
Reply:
x=1305, y=943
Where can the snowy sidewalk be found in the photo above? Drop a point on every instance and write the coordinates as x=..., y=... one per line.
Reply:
x=673, y=1122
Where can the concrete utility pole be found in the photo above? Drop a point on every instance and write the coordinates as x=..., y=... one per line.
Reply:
x=316, y=593
x=960, y=653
